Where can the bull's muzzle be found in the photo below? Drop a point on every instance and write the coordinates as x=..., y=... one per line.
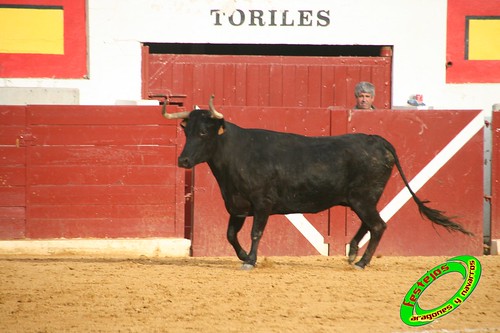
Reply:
x=185, y=162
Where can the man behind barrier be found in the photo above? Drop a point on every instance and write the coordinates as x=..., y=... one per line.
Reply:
x=365, y=94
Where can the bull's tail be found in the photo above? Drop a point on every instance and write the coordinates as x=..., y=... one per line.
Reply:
x=433, y=215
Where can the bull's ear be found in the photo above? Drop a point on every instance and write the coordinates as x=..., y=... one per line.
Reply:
x=222, y=129
x=183, y=123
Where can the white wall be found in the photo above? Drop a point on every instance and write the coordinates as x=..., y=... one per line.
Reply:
x=416, y=29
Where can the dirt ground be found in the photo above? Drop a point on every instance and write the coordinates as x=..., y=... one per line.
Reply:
x=284, y=294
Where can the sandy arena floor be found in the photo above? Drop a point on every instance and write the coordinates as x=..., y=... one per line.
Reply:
x=308, y=294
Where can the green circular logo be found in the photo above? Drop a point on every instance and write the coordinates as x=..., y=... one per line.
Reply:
x=470, y=269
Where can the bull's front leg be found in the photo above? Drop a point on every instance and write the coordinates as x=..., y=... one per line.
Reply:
x=259, y=224
x=234, y=226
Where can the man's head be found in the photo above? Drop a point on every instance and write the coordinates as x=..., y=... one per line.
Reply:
x=365, y=94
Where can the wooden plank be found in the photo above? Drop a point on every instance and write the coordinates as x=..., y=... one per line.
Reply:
x=16, y=213
x=160, y=74
x=353, y=77
x=12, y=156
x=102, y=155
x=188, y=85
x=339, y=122
x=158, y=59
x=344, y=97
x=229, y=94
x=264, y=87
x=12, y=228
x=252, y=85
x=101, y=175
x=12, y=222
x=12, y=176
x=167, y=73
x=198, y=95
x=12, y=196
x=276, y=84
x=100, y=228
x=117, y=211
x=219, y=84
x=328, y=86
x=308, y=121
x=301, y=98
x=104, y=135
x=96, y=115
x=381, y=78
x=314, y=85
x=12, y=115
x=102, y=194
x=289, y=87
x=208, y=85
x=241, y=82
x=366, y=73
x=10, y=134
x=177, y=77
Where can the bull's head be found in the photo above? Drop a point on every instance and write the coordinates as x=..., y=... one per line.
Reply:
x=202, y=128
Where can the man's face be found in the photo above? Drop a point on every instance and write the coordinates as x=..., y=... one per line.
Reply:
x=364, y=101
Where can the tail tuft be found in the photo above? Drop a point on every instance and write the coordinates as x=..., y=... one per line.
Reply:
x=438, y=217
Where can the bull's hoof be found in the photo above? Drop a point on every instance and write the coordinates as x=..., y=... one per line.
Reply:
x=351, y=259
x=247, y=267
x=359, y=266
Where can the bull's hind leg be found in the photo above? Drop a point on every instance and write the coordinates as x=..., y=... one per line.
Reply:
x=372, y=221
x=353, y=246
x=234, y=226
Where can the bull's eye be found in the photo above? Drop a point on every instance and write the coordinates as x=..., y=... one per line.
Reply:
x=203, y=132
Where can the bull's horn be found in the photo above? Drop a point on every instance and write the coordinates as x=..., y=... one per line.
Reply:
x=177, y=115
x=214, y=112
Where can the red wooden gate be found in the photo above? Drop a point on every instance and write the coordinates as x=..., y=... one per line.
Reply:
x=274, y=81
x=87, y=171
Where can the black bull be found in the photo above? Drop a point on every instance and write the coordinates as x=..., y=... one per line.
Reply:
x=261, y=173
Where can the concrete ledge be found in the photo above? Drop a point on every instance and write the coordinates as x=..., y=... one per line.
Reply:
x=151, y=247
x=137, y=102
x=36, y=95
x=495, y=247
